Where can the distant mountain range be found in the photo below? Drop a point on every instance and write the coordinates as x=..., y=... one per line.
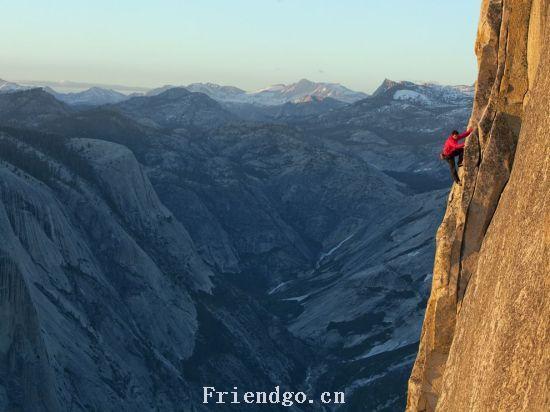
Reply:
x=271, y=96
x=210, y=105
x=280, y=93
x=303, y=91
x=67, y=86
x=275, y=95
x=94, y=96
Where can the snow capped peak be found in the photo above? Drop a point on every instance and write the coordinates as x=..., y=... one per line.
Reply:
x=424, y=93
x=295, y=92
x=385, y=86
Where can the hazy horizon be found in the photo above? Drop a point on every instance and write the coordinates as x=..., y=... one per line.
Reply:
x=242, y=43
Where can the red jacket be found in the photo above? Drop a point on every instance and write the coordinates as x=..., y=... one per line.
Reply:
x=452, y=144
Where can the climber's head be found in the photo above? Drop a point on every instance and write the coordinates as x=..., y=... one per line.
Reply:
x=455, y=133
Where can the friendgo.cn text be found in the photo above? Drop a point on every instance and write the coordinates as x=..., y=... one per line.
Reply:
x=275, y=397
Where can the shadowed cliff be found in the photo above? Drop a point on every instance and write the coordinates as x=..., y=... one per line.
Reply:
x=484, y=343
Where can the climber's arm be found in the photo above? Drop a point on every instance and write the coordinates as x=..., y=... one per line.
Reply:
x=464, y=135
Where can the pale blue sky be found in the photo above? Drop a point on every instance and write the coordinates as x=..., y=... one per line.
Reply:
x=246, y=43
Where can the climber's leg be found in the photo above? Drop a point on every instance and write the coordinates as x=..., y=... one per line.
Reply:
x=452, y=168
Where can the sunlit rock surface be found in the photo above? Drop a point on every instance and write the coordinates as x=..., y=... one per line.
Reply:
x=485, y=337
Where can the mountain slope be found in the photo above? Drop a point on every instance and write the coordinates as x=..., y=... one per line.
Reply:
x=215, y=91
x=54, y=253
x=363, y=301
x=286, y=113
x=485, y=337
x=400, y=137
x=30, y=107
x=176, y=108
x=94, y=96
x=105, y=302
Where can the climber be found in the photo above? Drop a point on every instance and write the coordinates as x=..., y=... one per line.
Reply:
x=453, y=148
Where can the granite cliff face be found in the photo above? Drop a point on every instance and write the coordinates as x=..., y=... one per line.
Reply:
x=484, y=343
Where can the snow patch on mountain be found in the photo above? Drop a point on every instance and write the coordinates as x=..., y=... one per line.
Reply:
x=410, y=95
x=334, y=249
x=425, y=94
x=281, y=93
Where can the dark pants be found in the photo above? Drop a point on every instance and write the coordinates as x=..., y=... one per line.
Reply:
x=451, y=160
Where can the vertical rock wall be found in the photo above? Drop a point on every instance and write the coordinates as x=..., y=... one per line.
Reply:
x=486, y=326
x=26, y=379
